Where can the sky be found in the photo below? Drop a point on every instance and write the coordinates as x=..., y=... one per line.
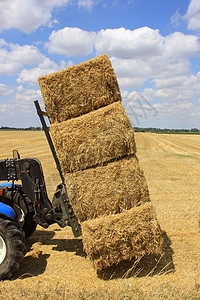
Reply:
x=153, y=45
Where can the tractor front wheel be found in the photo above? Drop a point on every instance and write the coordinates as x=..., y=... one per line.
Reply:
x=12, y=247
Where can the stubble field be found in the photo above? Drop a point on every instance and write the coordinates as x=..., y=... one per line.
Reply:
x=55, y=265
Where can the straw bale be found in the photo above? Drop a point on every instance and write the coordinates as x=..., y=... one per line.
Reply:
x=107, y=189
x=79, y=89
x=111, y=239
x=93, y=138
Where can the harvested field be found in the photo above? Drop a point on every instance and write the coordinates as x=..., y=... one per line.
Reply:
x=93, y=138
x=110, y=189
x=79, y=89
x=55, y=266
x=115, y=238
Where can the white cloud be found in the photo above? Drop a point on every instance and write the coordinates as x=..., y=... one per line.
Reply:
x=71, y=42
x=13, y=57
x=186, y=81
x=123, y=43
x=176, y=18
x=183, y=107
x=88, y=4
x=145, y=43
x=178, y=45
x=27, y=15
x=180, y=88
x=182, y=113
x=5, y=90
x=133, y=83
x=46, y=67
x=138, y=106
x=141, y=44
x=131, y=73
x=135, y=62
x=131, y=67
x=22, y=100
x=137, y=55
x=175, y=94
x=19, y=110
x=193, y=15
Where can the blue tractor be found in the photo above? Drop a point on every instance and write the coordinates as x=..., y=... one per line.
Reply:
x=24, y=203
x=16, y=224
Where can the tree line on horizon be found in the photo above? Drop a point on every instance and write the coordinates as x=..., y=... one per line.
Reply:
x=31, y=128
x=166, y=130
x=136, y=129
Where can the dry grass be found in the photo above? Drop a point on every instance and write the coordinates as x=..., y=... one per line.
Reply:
x=95, y=138
x=55, y=266
x=126, y=291
x=79, y=89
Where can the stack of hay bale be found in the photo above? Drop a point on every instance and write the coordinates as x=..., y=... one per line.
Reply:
x=95, y=144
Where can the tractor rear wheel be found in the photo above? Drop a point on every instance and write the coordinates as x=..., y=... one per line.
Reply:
x=12, y=247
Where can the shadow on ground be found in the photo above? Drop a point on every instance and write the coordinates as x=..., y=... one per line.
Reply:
x=35, y=262
x=32, y=266
x=69, y=245
x=148, y=265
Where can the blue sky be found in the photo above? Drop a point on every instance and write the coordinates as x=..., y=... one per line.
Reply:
x=153, y=45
